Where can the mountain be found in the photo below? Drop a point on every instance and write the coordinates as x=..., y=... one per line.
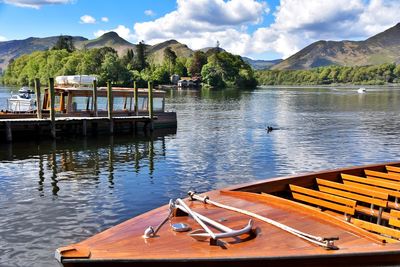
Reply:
x=156, y=52
x=15, y=48
x=261, y=64
x=381, y=48
x=110, y=39
x=12, y=49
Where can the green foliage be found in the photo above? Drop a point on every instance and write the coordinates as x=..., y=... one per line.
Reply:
x=103, y=62
x=180, y=67
x=219, y=69
x=225, y=69
x=212, y=75
x=128, y=59
x=64, y=42
x=377, y=74
x=198, y=61
x=140, y=58
x=170, y=59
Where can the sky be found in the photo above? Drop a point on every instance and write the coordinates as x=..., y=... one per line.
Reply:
x=267, y=29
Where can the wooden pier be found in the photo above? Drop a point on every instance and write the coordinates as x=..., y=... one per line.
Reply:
x=83, y=126
x=53, y=119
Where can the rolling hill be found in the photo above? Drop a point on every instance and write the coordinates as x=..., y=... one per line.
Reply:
x=156, y=52
x=12, y=49
x=110, y=39
x=381, y=48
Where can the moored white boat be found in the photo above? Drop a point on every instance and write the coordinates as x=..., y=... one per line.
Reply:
x=23, y=101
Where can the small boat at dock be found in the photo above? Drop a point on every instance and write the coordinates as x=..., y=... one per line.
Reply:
x=24, y=101
x=348, y=217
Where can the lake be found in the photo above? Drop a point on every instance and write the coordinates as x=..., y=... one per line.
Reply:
x=53, y=193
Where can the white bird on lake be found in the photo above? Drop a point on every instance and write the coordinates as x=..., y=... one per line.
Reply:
x=362, y=90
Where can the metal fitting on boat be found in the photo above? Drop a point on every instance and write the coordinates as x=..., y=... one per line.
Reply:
x=150, y=231
x=193, y=196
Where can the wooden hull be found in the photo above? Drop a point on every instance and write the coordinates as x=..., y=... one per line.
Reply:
x=124, y=245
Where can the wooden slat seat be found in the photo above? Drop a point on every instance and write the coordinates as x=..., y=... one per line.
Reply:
x=392, y=169
x=394, y=218
x=392, y=188
x=391, y=177
x=354, y=192
x=367, y=196
x=328, y=201
x=390, y=235
x=380, y=185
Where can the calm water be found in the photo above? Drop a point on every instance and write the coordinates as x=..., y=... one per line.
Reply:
x=56, y=193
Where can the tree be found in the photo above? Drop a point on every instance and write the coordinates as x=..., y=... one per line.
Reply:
x=198, y=61
x=212, y=75
x=110, y=68
x=64, y=42
x=140, y=59
x=170, y=58
x=128, y=59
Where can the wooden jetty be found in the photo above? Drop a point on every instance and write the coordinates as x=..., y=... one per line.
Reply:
x=67, y=110
x=344, y=217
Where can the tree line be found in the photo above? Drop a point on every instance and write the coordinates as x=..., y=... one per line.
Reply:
x=218, y=68
x=369, y=75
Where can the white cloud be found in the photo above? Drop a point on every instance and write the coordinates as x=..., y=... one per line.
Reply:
x=299, y=23
x=104, y=19
x=122, y=31
x=87, y=19
x=205, y=22
x=149, y=13
x=3, y=39
x=36, y=3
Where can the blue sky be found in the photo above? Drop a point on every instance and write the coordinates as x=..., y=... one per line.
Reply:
x=254, y=28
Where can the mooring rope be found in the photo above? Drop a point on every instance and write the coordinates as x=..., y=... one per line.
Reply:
x=320, y=241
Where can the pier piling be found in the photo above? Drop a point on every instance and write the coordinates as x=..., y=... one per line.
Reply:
x=84, y=127
x=95, y=98
x=8, y=131
x=52, y=110
x=150, y=106
x=38, y=99
x=110, y=106
x=135, y=96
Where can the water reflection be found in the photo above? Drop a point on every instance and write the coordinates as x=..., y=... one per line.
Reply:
x=74, y=159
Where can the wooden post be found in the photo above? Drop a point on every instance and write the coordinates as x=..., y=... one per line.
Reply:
x=110, y=106
x=135, y=96
x=95, y=98
x=84, y=127
x=52, y=111
x=38, y=99
x=150, y=105
x=8, y=131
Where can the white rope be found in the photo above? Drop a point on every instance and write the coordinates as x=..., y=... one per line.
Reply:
x=320, y=241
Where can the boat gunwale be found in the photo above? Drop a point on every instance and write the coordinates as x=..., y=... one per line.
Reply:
x=230, y=259
x=295, y=178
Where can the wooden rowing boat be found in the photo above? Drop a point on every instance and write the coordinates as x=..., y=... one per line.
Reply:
x=347, y=216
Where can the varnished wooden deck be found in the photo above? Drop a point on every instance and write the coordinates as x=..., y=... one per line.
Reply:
x=124, y=245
